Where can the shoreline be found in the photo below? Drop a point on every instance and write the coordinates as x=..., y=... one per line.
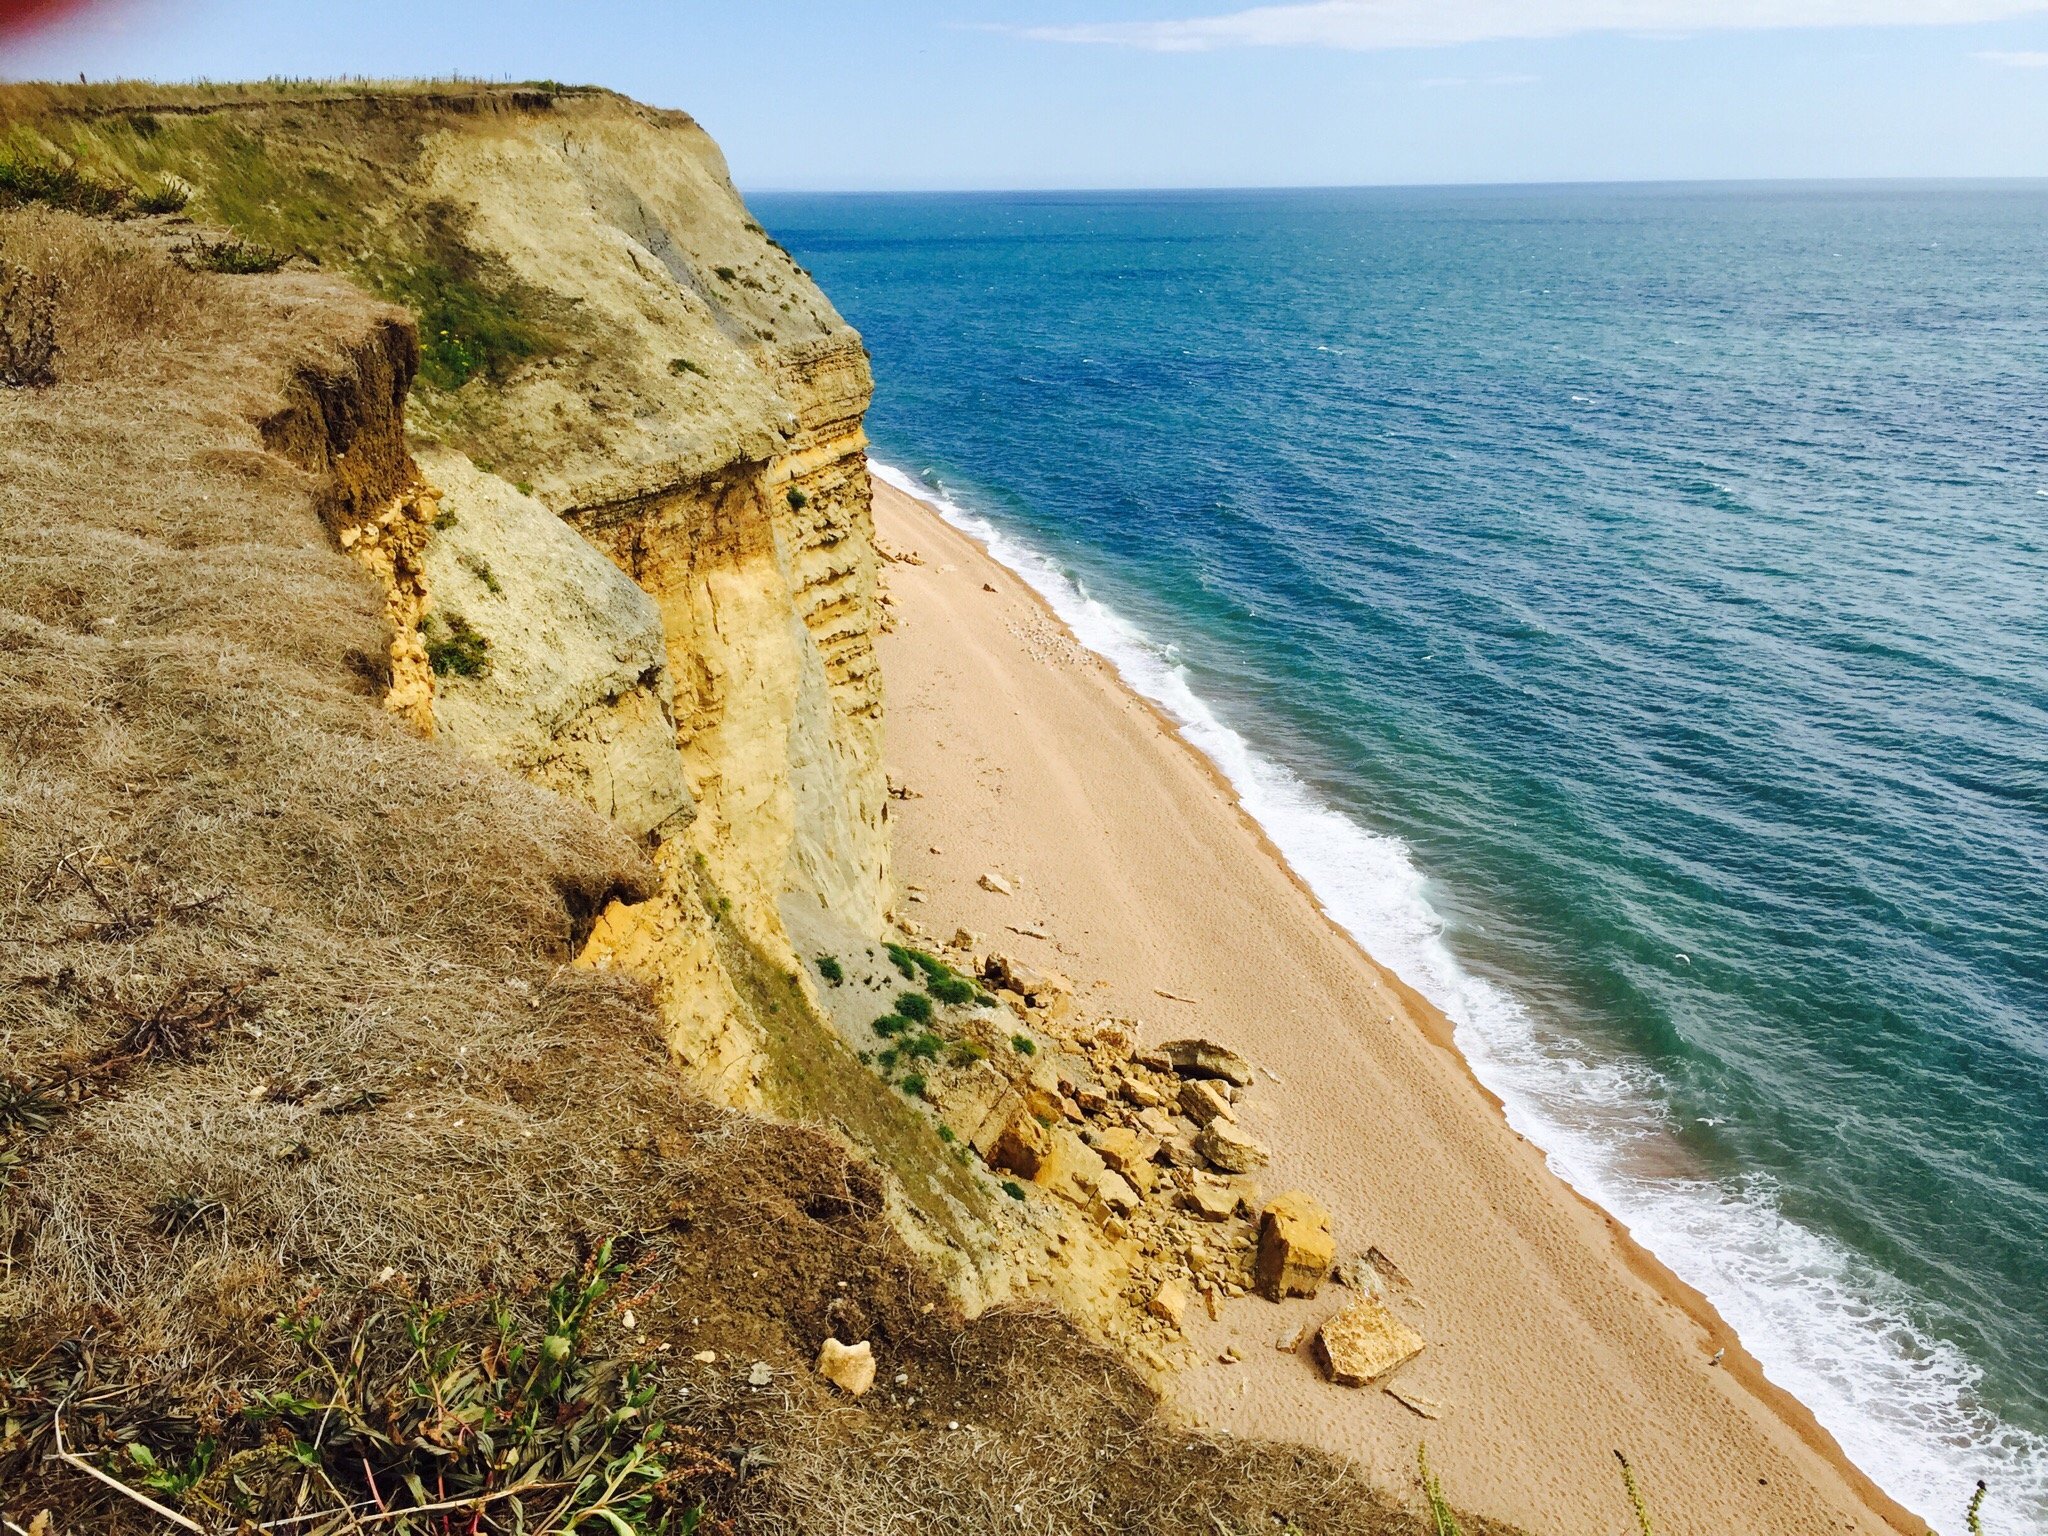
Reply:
x=1781, y=1424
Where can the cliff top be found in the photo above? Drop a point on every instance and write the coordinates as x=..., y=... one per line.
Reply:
x=621, y=318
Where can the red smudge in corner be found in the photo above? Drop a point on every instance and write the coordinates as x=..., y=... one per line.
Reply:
x=19, y=16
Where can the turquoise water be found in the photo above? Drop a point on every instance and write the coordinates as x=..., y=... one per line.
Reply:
x=1628, y=608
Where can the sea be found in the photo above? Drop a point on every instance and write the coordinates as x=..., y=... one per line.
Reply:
x=1627, y=608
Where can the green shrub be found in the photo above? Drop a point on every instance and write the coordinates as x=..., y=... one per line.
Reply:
x=914, y=1005
x=682, y=365
x=830, y=968
x=948, y=1135
x=797, y=499
x=725, y=274
x=243, y=258
x=1013, y=1189
x=925, y=1047
x=1024, y=1045
x=951, y=989
x=164, y=197
x=456, y=649
x=913, y=1084
x=59, y=186
x=966, y=1053
x=890, y=1024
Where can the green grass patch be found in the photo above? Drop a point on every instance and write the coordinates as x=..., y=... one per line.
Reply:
x=890, y=1025
x=830, y=968
x=1024, y=1045
x=58, y=186
x=913, y=1084
x=455, y=648
x=914, y=1005
x=814, y=1076
x=232, y=254
x=682, y=365
x=164, y=197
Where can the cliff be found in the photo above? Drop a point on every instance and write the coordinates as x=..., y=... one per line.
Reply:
x=610, y=345
x=429, y=720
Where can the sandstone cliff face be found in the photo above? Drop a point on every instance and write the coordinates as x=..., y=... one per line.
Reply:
x=625, y=534
x=607, y=338
x=707, y=438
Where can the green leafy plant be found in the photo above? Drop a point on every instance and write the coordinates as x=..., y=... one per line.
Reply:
x=1442, y=1522
x=1635, y=1496
x=1013, y=1189
x=725, y=274
x=924, y=1047
x=797, y=499
x=948, y=1135
x=965, y=1053
x=913, y=1084
x=830, y=968
x=891, y=1024
x=1024, y=1045
x=526, y=1422
x=914, y=1005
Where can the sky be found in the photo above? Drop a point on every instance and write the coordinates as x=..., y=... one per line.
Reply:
x=999, y=94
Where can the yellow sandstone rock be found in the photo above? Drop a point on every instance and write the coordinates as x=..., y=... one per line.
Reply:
x=1363, y=1343
x=1296, y=1247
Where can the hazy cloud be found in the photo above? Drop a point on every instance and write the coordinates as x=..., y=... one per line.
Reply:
x=1371, y=24
x=2016, y=60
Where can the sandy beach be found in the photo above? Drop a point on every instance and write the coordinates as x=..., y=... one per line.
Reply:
x=1553, y=1340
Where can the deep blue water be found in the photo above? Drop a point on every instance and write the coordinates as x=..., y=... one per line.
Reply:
x=1629, y=609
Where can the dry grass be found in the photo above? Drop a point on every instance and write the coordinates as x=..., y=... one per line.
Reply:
x=285, y=1026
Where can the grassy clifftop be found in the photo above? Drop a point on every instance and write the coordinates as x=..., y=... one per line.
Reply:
x=456, y=201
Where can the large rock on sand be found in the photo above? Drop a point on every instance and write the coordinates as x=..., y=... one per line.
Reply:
x=1199, y=1058
x=1296, y=1247
x=1364, y=1343
x=1227, y=1147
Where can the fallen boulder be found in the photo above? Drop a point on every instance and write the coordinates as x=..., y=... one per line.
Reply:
x=1363, y=1343
x=1199, y=1058
x=1022, y=1147
x=1227, y=1147
x=1202, y=1101
x=1296, y=1247
x=1169, y=1303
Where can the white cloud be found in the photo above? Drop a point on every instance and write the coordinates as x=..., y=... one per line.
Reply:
x=2015, y=60
x=1373, y=24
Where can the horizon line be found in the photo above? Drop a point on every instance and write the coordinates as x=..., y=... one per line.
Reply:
x=1617, y=182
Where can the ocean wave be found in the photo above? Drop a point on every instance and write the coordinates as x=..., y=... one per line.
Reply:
x=1828, y=1326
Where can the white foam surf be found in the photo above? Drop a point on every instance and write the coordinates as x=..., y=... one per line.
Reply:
x=1827, y=1326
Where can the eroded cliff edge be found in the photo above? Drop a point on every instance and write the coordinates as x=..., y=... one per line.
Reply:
x=610, y=345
